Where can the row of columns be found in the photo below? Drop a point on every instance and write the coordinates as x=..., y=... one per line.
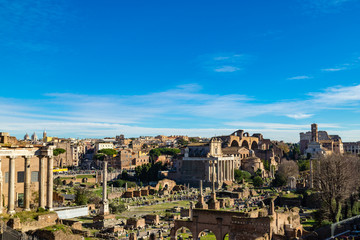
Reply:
x=225, y=170
x=44, y=175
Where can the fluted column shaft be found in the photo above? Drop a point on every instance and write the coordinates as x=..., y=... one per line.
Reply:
x=50, y=184
x=232, y=171
x=11, y=200
x=42, y=183
x=1, y=189
x=227, y=170
x=105, y=181
x=27, y=183
x=223, y=170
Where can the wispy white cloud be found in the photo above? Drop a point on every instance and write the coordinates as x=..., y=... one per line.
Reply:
x=227, y=69
x=267, y=125
x=158, y=112
x=352, y=63
x=224, y=63
x=299, y=115
x=338, y=96
x=333, y=69
x=299, y=77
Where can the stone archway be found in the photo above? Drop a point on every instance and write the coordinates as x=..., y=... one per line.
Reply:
x=254, y=145
x=207, y=234
x=245, y=144
x=184, y=233
x=234, y=143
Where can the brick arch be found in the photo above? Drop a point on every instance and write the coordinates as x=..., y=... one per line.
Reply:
x=298, y=232
x=245, y=143
x=254, y=145
x=175, y=230
x=234, y=143
x=214, y=231
x=223, y=238
x=207, y=229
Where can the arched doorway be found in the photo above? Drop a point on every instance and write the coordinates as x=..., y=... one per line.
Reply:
x=254, y=145
x=298, y=233
x=183, y=233
x=234, y=143
x=206, y=235
x=245, y=144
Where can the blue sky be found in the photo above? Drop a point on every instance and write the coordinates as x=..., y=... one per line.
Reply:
x=200, y=68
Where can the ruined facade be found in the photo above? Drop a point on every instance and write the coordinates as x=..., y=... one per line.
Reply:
x=320, y=143
x=264, y=224
x=26, y=178
x=225, y=154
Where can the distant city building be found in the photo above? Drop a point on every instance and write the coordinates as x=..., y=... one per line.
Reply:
x=75, y=151
x=320, y=143
x=103, y=145
x=34, y=137
x=352, y=147
x=26, y=137
x=128, y=159
x=5, y=138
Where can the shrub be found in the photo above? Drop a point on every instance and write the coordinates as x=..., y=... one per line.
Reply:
x=257, y=181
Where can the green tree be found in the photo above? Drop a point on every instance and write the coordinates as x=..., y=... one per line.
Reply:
x=240, y=175
x=99, y=156
x=303, y=165
x=81, y=196
x=182, y=142
x=257, y=181
x=124, y=175
x=266, y=165
x=117, y=208
x=57, y=182
x=279, y=180
x=108, y=151
x=149, y=172
x=58, y=151
x=121, y=183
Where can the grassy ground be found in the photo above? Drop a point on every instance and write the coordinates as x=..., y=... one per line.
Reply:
x=26, y=216
x=159, y=208
x=291, y=195
x=58, y=227
x=309, y=224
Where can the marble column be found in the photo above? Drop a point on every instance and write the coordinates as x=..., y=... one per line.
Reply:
x=209, y=170
x=233, y=169
x=27, y=183
x=227, y=170
x=50, y=184
x=311, y=174
x=1, y=190
x=11, y=200
x=219, y=170
x=224, y=170
x=42, y=182
x=104, y=209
